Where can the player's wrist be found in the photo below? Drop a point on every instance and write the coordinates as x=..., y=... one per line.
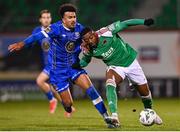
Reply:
x=21, y=44
x=149, y=22
x=25, y=42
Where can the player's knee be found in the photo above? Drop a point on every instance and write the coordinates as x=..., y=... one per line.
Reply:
x=83, y=81
x=144, y=90
x=39, y=81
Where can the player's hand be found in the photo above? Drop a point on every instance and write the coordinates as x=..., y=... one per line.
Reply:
x=149, y=22
x=16, y=46
x=76, y=65
x=85, y=48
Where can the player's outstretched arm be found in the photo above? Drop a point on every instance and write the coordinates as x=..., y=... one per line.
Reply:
x=33, y=38
x=28, y=41
x=118, y=26
x=135, y=22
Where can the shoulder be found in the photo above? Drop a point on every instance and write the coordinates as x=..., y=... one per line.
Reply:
x=114, y=25
x=54, y=27
x=104, y=32
x=79, y=26
x=56, y=24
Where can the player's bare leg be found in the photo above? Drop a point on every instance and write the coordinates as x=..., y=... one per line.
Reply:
x=55, y=93
x=67, y=102
x=45, y=87
x=145, y=94
x=112, y=80
x=84, y=82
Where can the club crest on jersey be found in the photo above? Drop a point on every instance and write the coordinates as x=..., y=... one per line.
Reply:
x=105, y=41
x=45, y=46
x=70, y=47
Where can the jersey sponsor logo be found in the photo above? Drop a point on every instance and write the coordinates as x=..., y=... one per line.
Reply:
x=108, y=53
x=70, y=47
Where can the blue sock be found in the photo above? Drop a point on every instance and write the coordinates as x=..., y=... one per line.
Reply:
x=49, y=95
x=97, y=100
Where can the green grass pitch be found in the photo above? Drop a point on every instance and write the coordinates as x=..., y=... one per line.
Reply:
x=33, y=115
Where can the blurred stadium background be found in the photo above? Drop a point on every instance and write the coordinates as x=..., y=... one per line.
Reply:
x=158, y=47
x=159, y=55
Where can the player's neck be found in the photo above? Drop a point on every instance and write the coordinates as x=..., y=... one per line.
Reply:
x=66, y=27
x=44, y=27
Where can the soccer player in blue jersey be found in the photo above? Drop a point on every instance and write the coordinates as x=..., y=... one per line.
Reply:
x=43, y=77
x=64, y=51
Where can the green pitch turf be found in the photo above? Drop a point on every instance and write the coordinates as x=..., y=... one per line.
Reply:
x=33, y=115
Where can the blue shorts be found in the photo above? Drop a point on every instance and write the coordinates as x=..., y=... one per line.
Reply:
x=47, y=69
x=61, y=78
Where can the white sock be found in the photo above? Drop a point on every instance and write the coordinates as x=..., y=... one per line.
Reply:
x=115, y=115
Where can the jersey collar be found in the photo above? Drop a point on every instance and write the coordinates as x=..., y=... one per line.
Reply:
x=66, y=27
x=43, y=28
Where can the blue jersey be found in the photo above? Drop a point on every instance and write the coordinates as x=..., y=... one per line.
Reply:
x=44, y=43
x=64, y=51
x=66, y=43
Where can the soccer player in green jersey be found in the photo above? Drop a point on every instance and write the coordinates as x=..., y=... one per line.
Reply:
x=120, y=58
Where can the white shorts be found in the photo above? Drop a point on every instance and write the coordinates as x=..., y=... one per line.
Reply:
x=134, y=72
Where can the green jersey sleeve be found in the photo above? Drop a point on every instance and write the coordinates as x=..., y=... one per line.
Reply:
x=85, y=60
x=118, y=26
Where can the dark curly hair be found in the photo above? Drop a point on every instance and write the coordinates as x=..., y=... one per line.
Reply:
x=68, y=7
x=85, y=31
